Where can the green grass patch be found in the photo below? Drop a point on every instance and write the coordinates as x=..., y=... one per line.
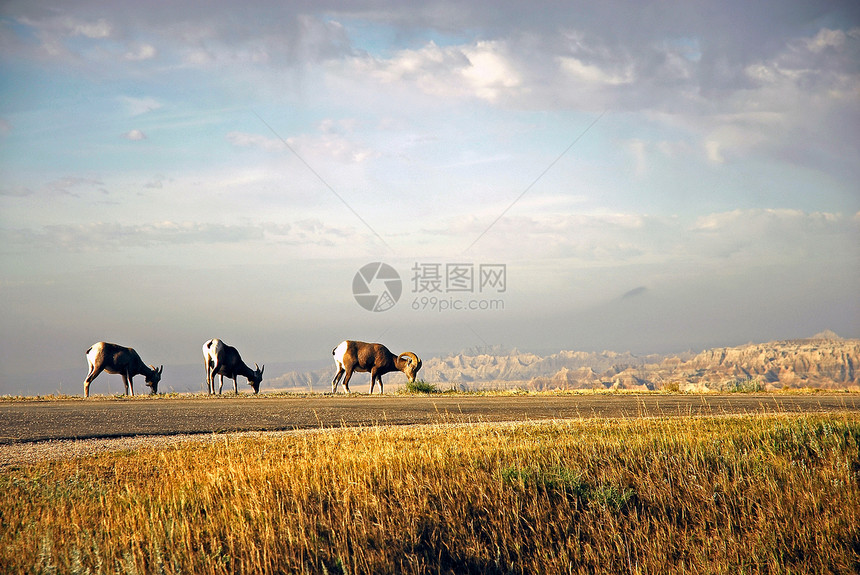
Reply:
x=420, y=386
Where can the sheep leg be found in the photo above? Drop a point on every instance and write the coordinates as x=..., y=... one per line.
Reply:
x=346, y=379
x=373, y=377
x=336, y=379
x=94, y=372
x=377, y=377
x=209, y=382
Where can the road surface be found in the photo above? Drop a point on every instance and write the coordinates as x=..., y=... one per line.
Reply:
x=36, y=421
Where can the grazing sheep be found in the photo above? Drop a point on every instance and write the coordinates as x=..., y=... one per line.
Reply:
x=221, y=359
x=351, y=356
x=113, y=358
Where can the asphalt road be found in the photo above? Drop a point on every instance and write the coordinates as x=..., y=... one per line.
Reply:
x=31, y=421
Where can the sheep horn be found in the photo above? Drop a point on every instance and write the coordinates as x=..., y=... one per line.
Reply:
x=410, y=357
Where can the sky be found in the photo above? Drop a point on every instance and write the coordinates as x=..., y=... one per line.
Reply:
x=653, y=177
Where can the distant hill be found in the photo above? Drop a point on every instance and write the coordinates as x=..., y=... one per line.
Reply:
x=811, y=363
x=825, y=361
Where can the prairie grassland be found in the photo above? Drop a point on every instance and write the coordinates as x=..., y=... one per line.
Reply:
x=752, y=494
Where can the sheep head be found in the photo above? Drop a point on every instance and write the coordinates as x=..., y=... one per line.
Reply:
x=153, y=379
x=256, y=378
x=413, y=364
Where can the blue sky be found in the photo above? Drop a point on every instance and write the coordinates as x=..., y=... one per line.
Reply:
x=669, y=176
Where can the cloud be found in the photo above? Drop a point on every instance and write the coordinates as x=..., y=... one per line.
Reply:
x=134, y=135
x=593, y=75
x=779, y=93
x=310, y=231
x=808, y=92
x=281, y=37
x=490, y=72
x=328, y=145
x=773, y=236
x=101, y=28
x=482, y=69
x=56, y=32
x=141, y=52
x=713, y=151
x=827, y=38
x=745, y=237
x=102, y=236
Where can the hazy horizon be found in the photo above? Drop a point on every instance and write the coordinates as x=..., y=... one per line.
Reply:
x=652, y=178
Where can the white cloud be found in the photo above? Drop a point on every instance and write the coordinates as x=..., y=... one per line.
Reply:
x=134, y=135
x=825, y=38
x=101, y=28
x=593, y=75
x=334, y=147
x=766, y=106
x=754, y=222
x=713, y=150
x=490, y=73
x=141, y=52
x=480, y=70
x=328, y=145
x=797, y=106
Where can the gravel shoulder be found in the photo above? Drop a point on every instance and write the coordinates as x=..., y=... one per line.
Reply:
x=32, y=431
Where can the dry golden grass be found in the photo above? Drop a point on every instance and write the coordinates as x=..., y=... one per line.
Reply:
x=755, y=494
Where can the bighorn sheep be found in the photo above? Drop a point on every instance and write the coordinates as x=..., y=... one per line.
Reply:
x=222, y=359
x=113, y=358
x=352, y=356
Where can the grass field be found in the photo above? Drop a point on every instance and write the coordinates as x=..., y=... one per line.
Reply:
x=752, y=494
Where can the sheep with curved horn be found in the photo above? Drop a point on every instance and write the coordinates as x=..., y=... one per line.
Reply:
x=351, y=356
